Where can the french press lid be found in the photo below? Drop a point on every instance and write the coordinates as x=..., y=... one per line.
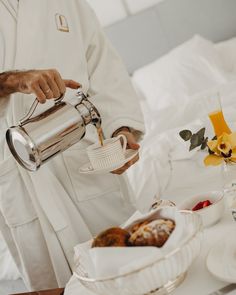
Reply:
x=22, y=148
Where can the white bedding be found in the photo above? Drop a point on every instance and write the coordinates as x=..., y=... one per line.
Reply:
x=162, y=169
x=172, y=92
x=190, y=68
x=175, y=173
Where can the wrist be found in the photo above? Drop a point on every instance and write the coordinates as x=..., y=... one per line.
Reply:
x=9, y=83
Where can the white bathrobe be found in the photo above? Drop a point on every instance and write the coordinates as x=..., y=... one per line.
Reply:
x=43, y=215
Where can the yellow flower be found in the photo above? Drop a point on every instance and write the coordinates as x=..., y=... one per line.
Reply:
x=222, y=149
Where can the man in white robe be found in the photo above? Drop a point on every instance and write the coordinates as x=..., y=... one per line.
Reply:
x=43, y=215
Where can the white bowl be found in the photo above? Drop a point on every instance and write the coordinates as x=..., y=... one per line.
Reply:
x=159, y=277
x=211, y=214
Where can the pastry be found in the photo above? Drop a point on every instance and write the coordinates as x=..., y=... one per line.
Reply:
x=145, y=233
x=112, y=237
x=136, y=226
x=153, y=233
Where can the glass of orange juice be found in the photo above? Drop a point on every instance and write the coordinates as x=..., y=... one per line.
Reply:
x=228, y=169
x=216, y=115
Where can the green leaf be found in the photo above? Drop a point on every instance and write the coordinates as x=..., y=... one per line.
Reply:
x=185, y=134
x=192, y=147
x=194, y=142
x=201, y=133
x=204, y=144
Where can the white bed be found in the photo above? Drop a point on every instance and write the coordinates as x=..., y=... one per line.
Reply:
x=173, y=92
x=172, y=89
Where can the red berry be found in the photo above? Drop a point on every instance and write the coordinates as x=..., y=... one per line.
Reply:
x=206, y=203
x=198, y=206
x=201, y=205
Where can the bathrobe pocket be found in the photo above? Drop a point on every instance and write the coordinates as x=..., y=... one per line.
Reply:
x=15, y=202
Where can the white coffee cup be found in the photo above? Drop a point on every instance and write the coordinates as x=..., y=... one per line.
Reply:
x=110, y=154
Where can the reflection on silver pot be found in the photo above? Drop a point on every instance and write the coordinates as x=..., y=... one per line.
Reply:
x=37, y=139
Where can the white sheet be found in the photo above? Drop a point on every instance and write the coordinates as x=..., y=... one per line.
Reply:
x=162, y=146
x=227, y=54
x=162, y=169
x=172, y=92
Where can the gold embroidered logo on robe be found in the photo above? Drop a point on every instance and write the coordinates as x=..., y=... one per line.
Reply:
x=61, y=22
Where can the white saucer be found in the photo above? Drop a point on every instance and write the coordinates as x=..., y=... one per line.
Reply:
x=221, y=259
x=88, y=169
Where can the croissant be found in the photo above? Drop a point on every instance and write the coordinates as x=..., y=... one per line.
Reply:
x=154, y=233
x=112, y=237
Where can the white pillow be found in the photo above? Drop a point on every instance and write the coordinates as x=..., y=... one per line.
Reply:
x=188, y=69
x=227, y=54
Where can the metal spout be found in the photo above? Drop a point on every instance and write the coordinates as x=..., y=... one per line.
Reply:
x=88, y=111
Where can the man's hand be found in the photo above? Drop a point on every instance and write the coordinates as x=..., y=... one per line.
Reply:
x=131, y=144
x=45, y=84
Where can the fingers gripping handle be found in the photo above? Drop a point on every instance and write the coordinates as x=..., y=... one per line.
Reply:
x=34, y=106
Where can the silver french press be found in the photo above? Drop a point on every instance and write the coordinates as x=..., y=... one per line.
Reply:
x=37, y=139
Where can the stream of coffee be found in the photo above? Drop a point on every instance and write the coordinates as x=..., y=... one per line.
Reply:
x=100, y=135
